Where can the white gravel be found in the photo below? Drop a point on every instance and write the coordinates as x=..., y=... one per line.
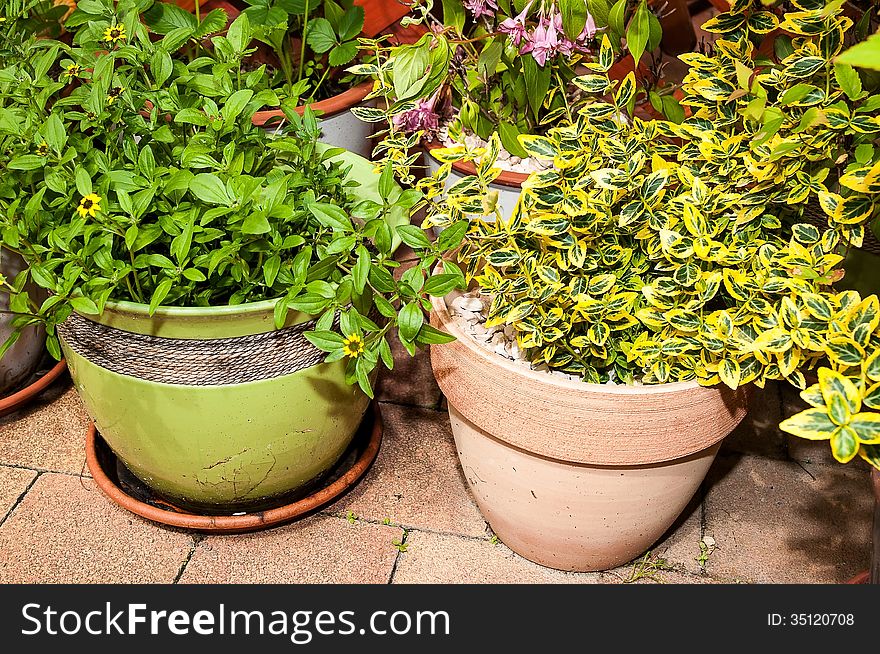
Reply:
x=505, y=161
x=471, y=312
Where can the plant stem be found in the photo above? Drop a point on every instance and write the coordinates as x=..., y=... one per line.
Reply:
x=302, y=45
x=199, y=11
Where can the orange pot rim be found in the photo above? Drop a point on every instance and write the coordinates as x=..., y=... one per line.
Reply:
x=27, y=394
x=507, y=178
x=225, y=524
x=330, y=107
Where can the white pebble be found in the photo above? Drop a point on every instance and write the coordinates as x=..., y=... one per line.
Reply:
x=471, y=304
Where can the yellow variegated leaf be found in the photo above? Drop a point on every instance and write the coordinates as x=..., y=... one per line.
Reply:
x=729, y=372
x=844, y=444
x=833, y=383
x=812, y=424
x=867, y=427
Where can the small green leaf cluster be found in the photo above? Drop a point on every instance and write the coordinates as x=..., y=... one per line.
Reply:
x=129, y=174
x=311, y=40
x=664, y=252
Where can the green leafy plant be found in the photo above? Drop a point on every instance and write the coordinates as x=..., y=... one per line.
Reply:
x=657, y=252
x=131, y=175
x=502, y=67
x=309, y=41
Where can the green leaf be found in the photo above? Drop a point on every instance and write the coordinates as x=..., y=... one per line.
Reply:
x=537, y=81
x=440, y=285
x=361, y=270
x=351, y=24
x=236, y=104
x=429, y=335
x=343, y=53
x=161, y=66
x=159, y=295
x=256, y=223
x=574, y=17
x=83, y=181
x=410, y=320
x=331, y=216
x=638, y=32
x=209, y=188
x=863, y=55
x=617, y=18
x=414, y=237
x=82, y=304
x=321, y=36
x=848, y=79
x=326, y=341
x=27, y=162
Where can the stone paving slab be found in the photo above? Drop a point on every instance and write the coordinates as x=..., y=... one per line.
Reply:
x=775, y=522
x=13, y=482
x=48, y=435
x=416, y=480
x=439, y=558
x=66, y=531
x=680, y=546
x=319, y=549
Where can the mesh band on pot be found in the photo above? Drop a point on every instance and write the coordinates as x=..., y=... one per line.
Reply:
x=211, y=362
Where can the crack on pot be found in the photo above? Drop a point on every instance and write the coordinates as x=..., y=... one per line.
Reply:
x=256, y=485
x=226, y=460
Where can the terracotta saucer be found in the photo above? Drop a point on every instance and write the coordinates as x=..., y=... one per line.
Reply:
x=129, y=492
x=41, y=381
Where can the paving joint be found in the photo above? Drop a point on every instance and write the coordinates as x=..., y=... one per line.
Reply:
x=18, y=466
x=408, y=528
x=19, y=499
x=196, y=539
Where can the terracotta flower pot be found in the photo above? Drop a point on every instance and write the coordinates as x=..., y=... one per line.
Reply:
x=571, y=475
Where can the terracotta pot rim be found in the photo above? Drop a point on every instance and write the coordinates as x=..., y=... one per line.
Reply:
x=20, y=398
x=860, y=578
x=449, y=324
x=330, y=107
x=215, y=524
x=507, y=178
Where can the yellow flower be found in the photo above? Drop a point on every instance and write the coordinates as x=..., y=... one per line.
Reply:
x=114, y=93
x=43, y=149
x=353, y=346
x=73, y=70
x=114, y=34
x=89, y=205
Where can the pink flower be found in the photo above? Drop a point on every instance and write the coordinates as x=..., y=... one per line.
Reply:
x=565, y=46
x=589, y=30
x=481, y=7
x=422, y=117
x=515, y=28
x=543, y=43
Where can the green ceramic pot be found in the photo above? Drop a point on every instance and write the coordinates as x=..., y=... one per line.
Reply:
x=226, y=445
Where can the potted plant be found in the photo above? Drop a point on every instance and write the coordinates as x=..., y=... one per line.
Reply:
x=501, y=67
x=223, y=295
x=642, y=284
x=21, y=337
x=306, y=47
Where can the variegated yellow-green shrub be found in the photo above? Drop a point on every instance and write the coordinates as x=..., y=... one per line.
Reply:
x=664, y=252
